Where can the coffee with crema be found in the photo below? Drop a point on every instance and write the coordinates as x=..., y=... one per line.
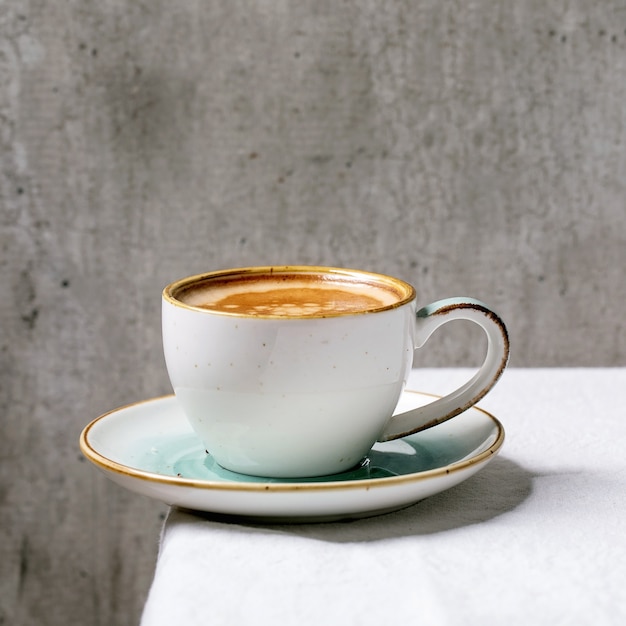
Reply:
x=287, y=293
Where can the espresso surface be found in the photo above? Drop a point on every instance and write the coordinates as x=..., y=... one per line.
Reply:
x=290, y=296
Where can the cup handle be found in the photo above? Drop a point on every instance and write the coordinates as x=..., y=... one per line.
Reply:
x=428, y=319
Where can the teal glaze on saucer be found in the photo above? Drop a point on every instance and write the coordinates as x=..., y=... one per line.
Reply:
x=149, y=448
x=185, y=457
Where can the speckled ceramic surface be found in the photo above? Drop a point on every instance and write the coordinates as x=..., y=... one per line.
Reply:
x=149, y=448
x=296, y=391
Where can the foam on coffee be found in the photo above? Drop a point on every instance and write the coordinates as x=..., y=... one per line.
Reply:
x=291, y=295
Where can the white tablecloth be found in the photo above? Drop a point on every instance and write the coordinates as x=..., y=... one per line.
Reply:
x=537, y=537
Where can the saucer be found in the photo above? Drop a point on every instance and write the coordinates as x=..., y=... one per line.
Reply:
x=149, y=448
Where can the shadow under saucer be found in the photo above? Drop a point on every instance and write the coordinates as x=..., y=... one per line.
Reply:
x=499, y=488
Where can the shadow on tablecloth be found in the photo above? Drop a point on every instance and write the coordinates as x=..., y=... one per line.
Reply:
x=497, y=489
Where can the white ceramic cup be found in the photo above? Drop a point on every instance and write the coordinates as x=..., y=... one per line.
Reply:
x=293, y=392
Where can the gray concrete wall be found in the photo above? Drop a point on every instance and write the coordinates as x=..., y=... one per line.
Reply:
x=470, y=147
